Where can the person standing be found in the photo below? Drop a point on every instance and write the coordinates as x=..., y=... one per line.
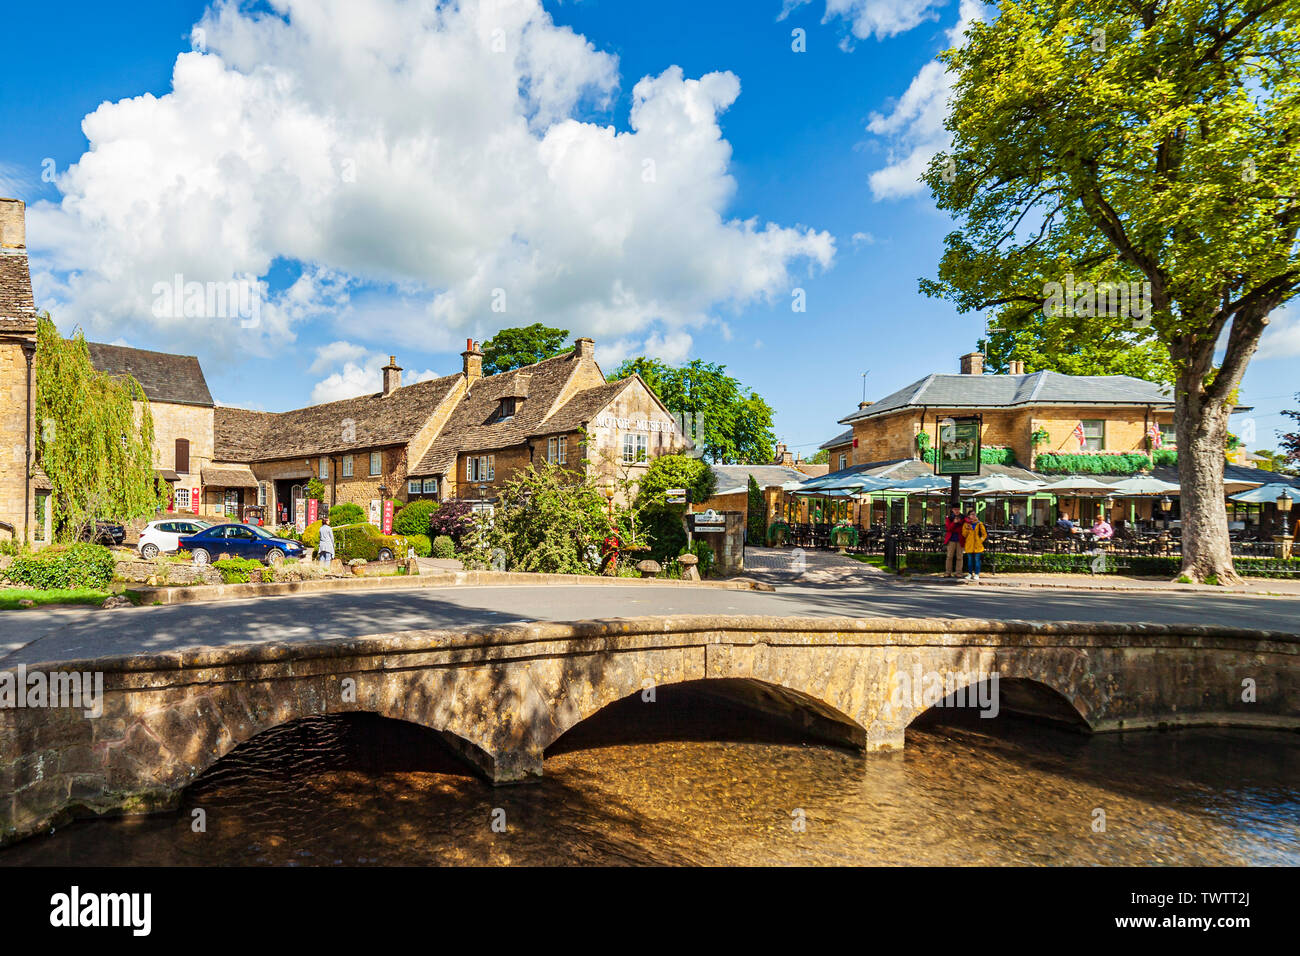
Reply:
x=326, y=541
x=952, y=543
x=973, y=534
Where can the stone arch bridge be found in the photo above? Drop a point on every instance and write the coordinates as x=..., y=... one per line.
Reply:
x=502, y=695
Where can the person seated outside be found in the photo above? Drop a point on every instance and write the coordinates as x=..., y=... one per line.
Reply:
x=1102, y=530
x=1065, y=524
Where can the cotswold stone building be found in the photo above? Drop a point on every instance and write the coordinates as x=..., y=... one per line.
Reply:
x=458, y=436
x=20, y=480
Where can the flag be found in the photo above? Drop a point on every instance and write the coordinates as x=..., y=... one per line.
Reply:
x=1153, y=432
x=1078, y=434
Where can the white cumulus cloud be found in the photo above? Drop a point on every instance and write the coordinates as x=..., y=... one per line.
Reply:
x=357, y=371
x=878, y=18
x=418, y=161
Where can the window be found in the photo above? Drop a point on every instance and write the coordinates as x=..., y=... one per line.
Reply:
x=557, y=450
x=183, y=455
x=182, y=499
x=347, y=466
x=1094, y=434
x=505, y=411
x=324, y=469
x=1168, y=436
x=413, y=486
x=564, y=445
x=480, y=468
x=376, y=462
x=431, y=486
x=261, y=494
x=844, y=462
x=634, y=447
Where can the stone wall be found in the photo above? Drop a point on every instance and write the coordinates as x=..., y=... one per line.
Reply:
x=505, y=694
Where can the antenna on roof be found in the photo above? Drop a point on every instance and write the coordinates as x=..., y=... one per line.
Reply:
x=864, y=384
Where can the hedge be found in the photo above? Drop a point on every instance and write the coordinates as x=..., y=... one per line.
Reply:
x=348, y=512
x=236, y=570
x=56, y=568
x=1117, y=463
x=414, y=518
x=444, y=547
x=1135, y=565
x=421, y=543
x=364, y=541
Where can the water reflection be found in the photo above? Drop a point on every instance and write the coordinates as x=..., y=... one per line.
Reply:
x=690, y=779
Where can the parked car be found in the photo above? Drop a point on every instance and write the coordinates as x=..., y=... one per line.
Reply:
x=159, y=536
x=108, y=532
x=240, y=541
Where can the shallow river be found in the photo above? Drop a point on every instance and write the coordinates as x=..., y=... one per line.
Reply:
x=689, y=780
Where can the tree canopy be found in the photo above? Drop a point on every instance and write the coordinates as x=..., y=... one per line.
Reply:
x=1143, y=156
x=737, y=422
x=514, y=348
x=1102, y=348
x=93, y=444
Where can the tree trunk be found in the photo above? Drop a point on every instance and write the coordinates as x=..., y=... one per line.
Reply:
x=1202, y=428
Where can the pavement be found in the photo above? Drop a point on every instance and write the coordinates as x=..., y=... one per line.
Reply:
x=829, y=585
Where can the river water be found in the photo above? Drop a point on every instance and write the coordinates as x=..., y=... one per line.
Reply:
x=689, y=780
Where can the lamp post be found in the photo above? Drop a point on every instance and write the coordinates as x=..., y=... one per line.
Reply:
x=1284, y=540
x=1165, y=505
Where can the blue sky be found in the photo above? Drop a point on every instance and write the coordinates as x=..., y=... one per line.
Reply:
x=778, y=170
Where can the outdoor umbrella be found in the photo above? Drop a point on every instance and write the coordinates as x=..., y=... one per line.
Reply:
x=1075, y=483
x=858, y=484
x=1004, y=485
x=1144, y=485
x=921, y=484
x=1265, y=494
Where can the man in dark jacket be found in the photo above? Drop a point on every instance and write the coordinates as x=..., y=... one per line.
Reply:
x=952, y=543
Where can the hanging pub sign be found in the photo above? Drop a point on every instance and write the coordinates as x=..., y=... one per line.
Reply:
x=957, y=445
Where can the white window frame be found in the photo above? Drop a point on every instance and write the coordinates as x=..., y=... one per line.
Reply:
x=1168, y=436
x=1100, y=438
x=323, y=468
x=844, y=461
x=551, y=453
x=563, y=449
x=636, y=448
x=347, y=466
x=480, y=468
x=376, y=463
x=182, y=499
x=430, y=486
x=412, y=486
x=261, y=494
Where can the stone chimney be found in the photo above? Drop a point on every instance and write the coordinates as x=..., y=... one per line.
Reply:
x=972, y=363
x=783, y=454
x=584, y=348
x=13, y=229
x=865, y=404
x=472, y=360
x=392, y=376
x=1016, y=367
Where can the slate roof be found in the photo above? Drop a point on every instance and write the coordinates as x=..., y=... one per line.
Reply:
x=165, y=377
x=731, y=479
x=843, y=438
x=904, y=469
x=351, y=424
x=17, y=307
x=470, y=426
x=1005, y=391
x=229, y=476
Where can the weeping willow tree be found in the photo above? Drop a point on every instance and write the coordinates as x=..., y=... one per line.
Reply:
x=93, y=440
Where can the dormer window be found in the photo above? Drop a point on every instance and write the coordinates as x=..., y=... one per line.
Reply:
x=506, y=410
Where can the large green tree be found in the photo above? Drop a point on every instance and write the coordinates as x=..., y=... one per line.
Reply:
x=737, y=421
x=1126, y=141
x=94, y=442
x=514, y=348
x=1099, y=348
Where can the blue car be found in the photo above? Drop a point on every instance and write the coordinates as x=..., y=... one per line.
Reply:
x=239, y=541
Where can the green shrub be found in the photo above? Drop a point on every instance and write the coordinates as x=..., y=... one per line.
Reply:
x=444, y=547
x=364, y=541
x=76, y=566
x=236, y=570
x=311, y=535
x=1098, y=463
x=989, y=455
x=414, y=518
x=756, y=514
x=347, y=513
x=1165, y=456
x=421, y=543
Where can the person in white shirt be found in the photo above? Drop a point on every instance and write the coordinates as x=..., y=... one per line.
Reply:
x=326, y=549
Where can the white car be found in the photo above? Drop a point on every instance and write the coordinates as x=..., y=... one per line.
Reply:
x=166, y=535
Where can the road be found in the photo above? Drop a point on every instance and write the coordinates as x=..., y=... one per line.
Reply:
x=68, y=633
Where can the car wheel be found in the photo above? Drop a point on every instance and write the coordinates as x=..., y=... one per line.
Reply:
x=275, y=557
x=200, y=556
x=385, y=554
x=149, y=551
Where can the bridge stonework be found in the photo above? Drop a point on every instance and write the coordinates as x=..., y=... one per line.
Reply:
x=502, y=695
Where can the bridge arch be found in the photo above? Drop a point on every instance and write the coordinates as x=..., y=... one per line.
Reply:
x=998, y=695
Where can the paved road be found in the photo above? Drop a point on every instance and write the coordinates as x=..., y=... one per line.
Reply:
x=67, y=633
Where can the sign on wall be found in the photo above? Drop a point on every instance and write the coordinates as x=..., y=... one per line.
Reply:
x=388, y=516
x=957, y=446
x=708, y=522
x=313, y=510
x=195, y=501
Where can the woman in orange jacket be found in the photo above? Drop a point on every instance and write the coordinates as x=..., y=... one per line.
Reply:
x=973, y=535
